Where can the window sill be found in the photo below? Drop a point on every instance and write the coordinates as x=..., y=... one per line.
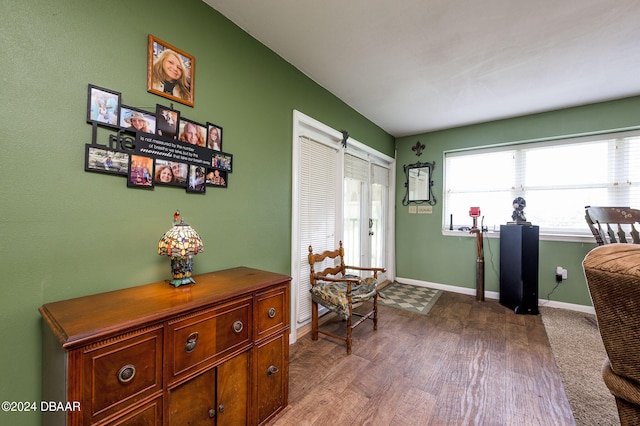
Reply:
x=566, y=238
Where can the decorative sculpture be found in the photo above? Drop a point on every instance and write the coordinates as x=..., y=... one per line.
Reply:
x=518, y=211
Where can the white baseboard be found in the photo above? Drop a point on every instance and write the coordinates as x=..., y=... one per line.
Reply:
x=494, y=295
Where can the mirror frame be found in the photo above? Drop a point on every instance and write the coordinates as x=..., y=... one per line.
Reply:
x=430, y=198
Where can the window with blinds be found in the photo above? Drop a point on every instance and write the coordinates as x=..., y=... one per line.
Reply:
x=556, y=178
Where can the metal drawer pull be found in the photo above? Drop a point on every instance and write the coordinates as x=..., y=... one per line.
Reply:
x=221, y=408
x=126, y=373
x=272, y=312
x=238, y=326
x=212, y=413
x=272, y=370
x=192, y=341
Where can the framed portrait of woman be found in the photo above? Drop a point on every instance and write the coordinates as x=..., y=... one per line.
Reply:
x=170, y=71
x=192, y=132
x=214, y=137
x=136, y=120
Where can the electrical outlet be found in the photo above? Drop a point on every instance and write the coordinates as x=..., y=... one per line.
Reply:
x=412, y=209
x=561, y=274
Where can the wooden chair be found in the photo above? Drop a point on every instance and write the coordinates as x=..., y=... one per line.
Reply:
x=613, y=224
x=338, y=291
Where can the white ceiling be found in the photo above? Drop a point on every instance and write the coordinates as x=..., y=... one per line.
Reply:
x=413, y=66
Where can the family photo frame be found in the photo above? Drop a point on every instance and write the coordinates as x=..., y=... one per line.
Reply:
x=170, y=71
x=103, y=106
x=197, y=179
x=222, y=161
x=141, y=170
x=136, y=120
x=214, y=137
x=217, y=178
x=167, y=120
x=170, y=173
x=192, y=132
x=101, y=159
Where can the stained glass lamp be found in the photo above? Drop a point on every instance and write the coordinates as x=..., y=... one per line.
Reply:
x=180, y=243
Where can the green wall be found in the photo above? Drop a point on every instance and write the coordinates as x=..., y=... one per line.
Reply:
x=66, y=232
x=424, y=254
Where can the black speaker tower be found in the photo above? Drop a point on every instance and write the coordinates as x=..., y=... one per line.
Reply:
x=519, y=267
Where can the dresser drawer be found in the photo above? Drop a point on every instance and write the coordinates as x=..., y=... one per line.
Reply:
x=272, y=376
x=196, y=341
x=121, y=371
x=272, y=311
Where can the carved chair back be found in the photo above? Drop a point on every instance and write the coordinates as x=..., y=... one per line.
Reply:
x=317, y=259
x=613, y=224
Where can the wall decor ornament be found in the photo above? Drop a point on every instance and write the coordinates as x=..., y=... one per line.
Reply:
x=417, y=148
x=161, y=148
x=171, y=72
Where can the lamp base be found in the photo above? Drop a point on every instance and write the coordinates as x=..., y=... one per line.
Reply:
x=177, y=282
x=181, y=269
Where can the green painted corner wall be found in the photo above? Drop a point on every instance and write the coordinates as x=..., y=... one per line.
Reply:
x=424, y=254
x=68, y=233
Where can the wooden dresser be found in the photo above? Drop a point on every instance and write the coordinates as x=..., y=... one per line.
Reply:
x=211, y=353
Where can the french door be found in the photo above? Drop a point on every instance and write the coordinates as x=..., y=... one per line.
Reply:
x=338, y=195
x=365, y=206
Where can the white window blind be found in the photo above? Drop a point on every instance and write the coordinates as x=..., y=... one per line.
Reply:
x=355, y=168
x=319, y=178
x=356, y=174
x=556, y=178
x=379, y=175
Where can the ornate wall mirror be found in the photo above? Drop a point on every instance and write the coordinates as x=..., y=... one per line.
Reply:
x=419, y=184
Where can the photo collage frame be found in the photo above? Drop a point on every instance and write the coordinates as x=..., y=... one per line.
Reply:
x=155, y=148
x=158, y=147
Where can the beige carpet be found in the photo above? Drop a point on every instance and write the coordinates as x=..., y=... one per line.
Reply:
x=579, y=353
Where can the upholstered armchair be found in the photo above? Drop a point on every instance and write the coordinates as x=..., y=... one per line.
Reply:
x=613, y=276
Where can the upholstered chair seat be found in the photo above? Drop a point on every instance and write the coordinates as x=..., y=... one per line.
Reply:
x=612, y=272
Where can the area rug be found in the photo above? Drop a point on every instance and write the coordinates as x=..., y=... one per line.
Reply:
x=409, y=297
x=579, y=354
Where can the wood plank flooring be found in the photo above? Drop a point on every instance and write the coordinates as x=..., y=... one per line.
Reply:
x=465, y=363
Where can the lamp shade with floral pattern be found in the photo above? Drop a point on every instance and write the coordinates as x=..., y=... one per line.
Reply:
x=180, y=243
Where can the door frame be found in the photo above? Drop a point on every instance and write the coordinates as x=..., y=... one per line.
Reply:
x=303, y=125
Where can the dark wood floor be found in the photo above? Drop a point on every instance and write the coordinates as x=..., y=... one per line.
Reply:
x=465, y=363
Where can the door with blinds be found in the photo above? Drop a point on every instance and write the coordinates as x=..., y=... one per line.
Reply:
x=319, y=209
x=365, y=203
x=338, y=194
